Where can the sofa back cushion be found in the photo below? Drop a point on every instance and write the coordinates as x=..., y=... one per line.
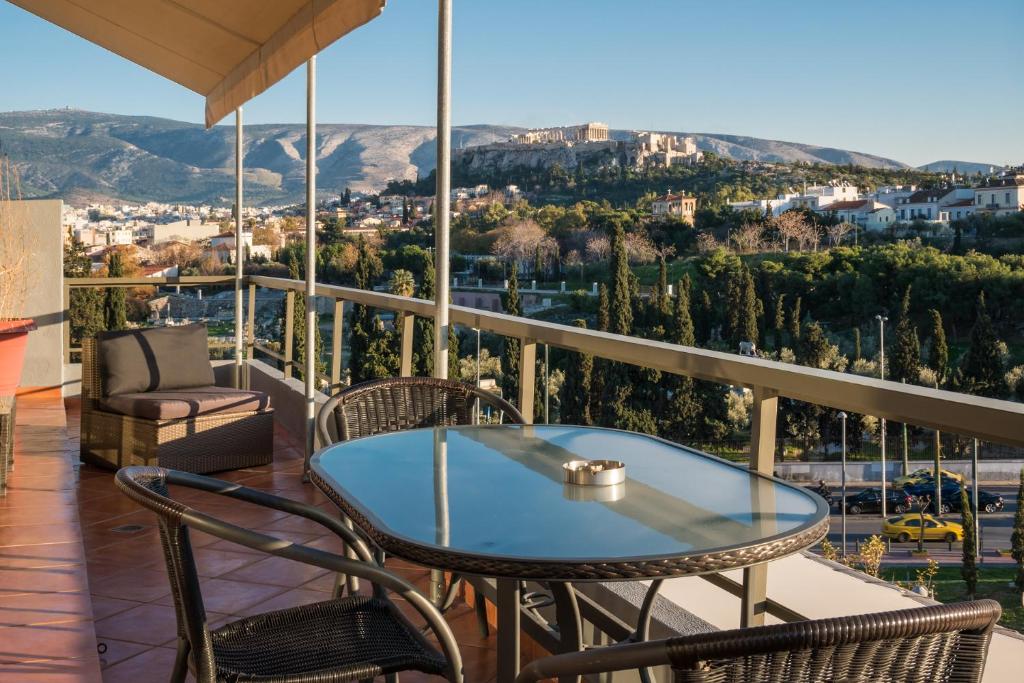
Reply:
x=154, y=359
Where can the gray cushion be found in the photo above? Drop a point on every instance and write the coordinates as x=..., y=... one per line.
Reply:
x=172, y=405
x=155, y=359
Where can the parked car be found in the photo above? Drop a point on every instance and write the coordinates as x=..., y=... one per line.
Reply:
x=907, y=527
x=870, y=500
x=987, y=501
x=925, y=476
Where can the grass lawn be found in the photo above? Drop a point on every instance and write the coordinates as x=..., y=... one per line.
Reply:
x=993, y=582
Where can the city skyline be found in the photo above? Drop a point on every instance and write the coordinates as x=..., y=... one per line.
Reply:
x=893, y=81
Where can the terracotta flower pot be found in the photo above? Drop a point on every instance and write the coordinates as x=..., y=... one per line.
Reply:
x=13, y=337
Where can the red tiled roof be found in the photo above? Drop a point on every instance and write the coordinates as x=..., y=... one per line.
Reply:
x=673, y=198
x=846, y=206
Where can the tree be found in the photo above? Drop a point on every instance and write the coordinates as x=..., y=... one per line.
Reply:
x=794, y=322
x=511, y=347
x=856, y=344
x=938, y=354
x=661, y=299
x=969, y=568
x=600, y=371
x=779, y=321
x=365, y=362
x=1017, y=538
x=748, y=306
x=620, y=306
x=577, y=387
x=299, y=345
x=906, y=358
x=982, y=366
x=86, y=313
x=115, y=306
x=423, y=355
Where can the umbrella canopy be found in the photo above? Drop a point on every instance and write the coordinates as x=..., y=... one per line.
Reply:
x=229, y=51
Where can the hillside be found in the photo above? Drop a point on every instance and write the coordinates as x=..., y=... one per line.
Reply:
x=962, y=167
x=86, y=156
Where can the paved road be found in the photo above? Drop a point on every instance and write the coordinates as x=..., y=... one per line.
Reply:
x=995, y=531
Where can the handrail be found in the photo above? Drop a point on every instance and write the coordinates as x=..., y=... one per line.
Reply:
x=142, y=281
x=974, y=416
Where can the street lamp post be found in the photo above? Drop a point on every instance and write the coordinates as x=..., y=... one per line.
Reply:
x=476, y=404
x=842, y=501
x=881, y=363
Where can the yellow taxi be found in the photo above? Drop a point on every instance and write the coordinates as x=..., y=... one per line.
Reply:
x=924, y=475
x=903, y=528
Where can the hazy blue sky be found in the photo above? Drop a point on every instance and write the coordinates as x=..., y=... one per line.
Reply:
x=915, y=80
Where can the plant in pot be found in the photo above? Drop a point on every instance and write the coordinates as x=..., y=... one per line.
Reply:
x=14, y=274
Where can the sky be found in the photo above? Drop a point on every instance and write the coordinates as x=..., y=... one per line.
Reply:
x=913, y=80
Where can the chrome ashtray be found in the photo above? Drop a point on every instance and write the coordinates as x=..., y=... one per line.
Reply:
x=594, y=472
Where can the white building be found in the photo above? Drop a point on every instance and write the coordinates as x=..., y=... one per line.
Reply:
x=1002, y=194
x=119, y=236
x=187, y=230
x=817, y=197
x=778, y=206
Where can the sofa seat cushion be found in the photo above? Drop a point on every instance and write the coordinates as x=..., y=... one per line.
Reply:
x=172, y=405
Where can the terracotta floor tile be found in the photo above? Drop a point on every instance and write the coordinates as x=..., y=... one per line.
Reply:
x=112, y=651
x=146, y=624
x=39, y=608
x=230, y=597
x=105, y=607
x=53, y=640
x=46, y=555
x=53, y=671
x=276, y=571
x=142, y=667
x=142, y=585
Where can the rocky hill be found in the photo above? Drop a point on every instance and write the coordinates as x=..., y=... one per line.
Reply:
x=86, y=156
x=961, y=167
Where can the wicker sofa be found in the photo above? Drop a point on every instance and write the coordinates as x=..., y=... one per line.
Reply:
x=200, y=430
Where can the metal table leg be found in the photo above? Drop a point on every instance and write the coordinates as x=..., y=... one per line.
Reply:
x=567, y=614
x=508, y=630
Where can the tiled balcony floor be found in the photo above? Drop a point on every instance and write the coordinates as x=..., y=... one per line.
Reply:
x=127, y=584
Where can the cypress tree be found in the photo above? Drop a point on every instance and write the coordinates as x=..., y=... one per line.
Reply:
x=983, y=363
x=779, y=322
x=538, y=264
x=662, y=303
x=795, y=322
x=938, y=354
x=423, y=356
x=1017, y=537
x=703, y=318
x=577, y=387
x=969, y=567
x=734, y=322
x=116, y=306
x=364, y=322
x=621, y=304
x=682, y=322
x=748, y=311
x=599, y=374
x=510, y=348
x=299, y=326
x=906, y=359
x=86, y=312
x=856, y=343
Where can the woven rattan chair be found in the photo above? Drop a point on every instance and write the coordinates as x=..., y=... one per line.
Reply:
x=204, y=443
x=355, y=638
x=934, y=644
x=388, y=405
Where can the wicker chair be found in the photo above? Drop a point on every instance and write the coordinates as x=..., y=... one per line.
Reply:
x=389, y=405
x=935, y=644
x=201, y=444
x=342, y=639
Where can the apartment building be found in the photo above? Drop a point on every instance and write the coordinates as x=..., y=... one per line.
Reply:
x=1002, y=194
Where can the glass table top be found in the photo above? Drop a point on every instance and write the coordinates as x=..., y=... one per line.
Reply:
x=498, y=490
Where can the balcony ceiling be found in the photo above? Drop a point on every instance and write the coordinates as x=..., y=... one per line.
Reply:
x=229, y=51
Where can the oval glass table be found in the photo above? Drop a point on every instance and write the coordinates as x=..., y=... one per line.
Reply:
x=489, y=501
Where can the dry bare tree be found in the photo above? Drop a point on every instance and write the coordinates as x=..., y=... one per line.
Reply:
x=14, y=246
x=706, y=242
x=640, y=248
x=791, y=225
x=837, y=232
x=598, y=248
x=749, y=238
x=518, y=241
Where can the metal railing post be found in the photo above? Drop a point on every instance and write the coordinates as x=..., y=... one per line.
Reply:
x=337, y=330
x=250, y=332
x=65, y=321
x=527, y=377
x=289, y=331
x=762, y=460
x=407, y=332
x=239, y=250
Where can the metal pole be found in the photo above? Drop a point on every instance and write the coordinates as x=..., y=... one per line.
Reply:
x=310, y=371
x=974, y=500
x=443, y=196
x=239, y=254
x=442, y=200
x=881, y=346
x=476, y=404
x=906, y=451
x=842, y=502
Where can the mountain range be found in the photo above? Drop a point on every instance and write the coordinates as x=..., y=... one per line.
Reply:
x=84, y=156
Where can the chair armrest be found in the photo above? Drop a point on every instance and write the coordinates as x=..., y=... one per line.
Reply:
x=336, y=563
x=269, y=500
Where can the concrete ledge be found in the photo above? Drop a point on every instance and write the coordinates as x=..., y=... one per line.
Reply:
x=287, y=396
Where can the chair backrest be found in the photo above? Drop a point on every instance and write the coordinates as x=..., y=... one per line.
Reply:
x=389, y=405
x=936, y=644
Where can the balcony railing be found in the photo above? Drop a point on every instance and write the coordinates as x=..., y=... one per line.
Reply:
x=972, y=416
